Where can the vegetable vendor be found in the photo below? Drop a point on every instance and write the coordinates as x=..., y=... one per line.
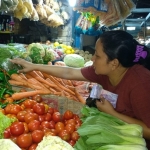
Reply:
x=122, y=66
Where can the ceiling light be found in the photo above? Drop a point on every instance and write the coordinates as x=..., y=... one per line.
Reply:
x=130, y=28
x=148, y=28
x=72, y=3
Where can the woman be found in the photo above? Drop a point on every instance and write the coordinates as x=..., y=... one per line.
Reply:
x=121, y=65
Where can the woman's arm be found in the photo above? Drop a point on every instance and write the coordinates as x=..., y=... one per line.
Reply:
x=106, y=107
x=58, y=71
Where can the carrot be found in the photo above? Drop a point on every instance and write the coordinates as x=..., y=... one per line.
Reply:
x=39, y=73
x=40, y=79
x=16, y=77
x=18, y=96
x=14, y=82
x=69, y=82
x=58, y=84
x=79, y=97
x=22, y=76
x=28, y=76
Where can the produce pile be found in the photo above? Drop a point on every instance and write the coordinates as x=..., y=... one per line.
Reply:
x=32, y=121
x=48, y=12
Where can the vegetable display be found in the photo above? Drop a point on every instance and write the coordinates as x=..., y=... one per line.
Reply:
x=36, y=121
x=100, y=131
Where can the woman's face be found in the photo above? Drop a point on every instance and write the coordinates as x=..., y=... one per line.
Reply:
x=100, y=60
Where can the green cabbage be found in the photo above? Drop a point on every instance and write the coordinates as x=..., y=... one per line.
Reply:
x=74, y=60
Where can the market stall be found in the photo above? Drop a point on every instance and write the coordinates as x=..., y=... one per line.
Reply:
x=39, y=111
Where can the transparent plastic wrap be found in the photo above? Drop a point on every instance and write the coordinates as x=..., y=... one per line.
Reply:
x=8, y=5
x=113, y=15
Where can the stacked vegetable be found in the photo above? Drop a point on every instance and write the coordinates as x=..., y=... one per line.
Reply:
x=36, y=121
x=100, y=131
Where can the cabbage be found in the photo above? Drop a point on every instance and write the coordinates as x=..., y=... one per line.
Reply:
x=74, y=60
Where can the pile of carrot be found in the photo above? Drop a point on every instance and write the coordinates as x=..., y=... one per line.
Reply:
x=43, y=83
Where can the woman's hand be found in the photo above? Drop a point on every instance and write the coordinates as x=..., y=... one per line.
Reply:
x=105, y=106
x=27, y=66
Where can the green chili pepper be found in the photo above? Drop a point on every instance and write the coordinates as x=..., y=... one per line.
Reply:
x=19, y=101
x=2, y=93
x=8, y=91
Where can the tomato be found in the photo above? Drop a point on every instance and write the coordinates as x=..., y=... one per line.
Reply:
x=75, y=116
x=46, y=108
x=77, y=126
x=71, y=121
x=37, y=98
x=29, y=103
x=8, y=109
x=50, y=110
x=24, y=140
x=54, y=131
x=37, y=136
x=30, y=116
x=45, y=130
x=17, y=128
x=48, y=117
x=70, y=128
x=78, y=121
x=34, y=125
x=7, y=133
x=56, y=116
x=68, y=115
x=11, y=116
x=41, y=118
x=29, y=110
x=33, y=147
x=72, y=142
x=26, y=127
x=20, y=115
x=15, y=109
x=64, y=135
x=39, y=108
x=52, y=124
x=59, y=126
x=75, y=136
x=45, y=124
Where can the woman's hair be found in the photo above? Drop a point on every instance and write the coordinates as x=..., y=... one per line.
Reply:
x=121, y=45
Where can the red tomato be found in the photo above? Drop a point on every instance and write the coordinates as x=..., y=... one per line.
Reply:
x=37, y=98
x=24, y=140
x=78, y=121
x=56, y=116
x=59, y=126
x=26, y=127
x=50, y=133
x=34, y=125
x=33, y=147
x=15, y=109
x=7, y=133
x=70, y=128
x=64, y=135
x=54, y=131
x=45, y=130
x=20, y=115
x=30, y=116
x=52, y=124
x=17, y=128
x=68, y=115
x=75, y=136
x=71, y=121
x=45, y=124
x=75, y=116
x=39, y=108
x=51, y=110
x=41, y=118
x=48, y=117
x=29, y=103
x=29, y=110
x=72, y=142
x=14, y=139
x=37, y=136
x=8, y=109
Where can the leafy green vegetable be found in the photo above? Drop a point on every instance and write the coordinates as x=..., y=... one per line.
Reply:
x=5, y=122
x=74, y=60
x=99, y=130
x=49, y=55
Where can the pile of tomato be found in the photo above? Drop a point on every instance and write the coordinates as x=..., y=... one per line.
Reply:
x=36, y=120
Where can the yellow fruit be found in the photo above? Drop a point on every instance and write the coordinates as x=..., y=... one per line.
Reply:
x=24, y=10
x=29, y=7
x=72, y=51
x=56, y=44
x=69, y=47
x=68, y=51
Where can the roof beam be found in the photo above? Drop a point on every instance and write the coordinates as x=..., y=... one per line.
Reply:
x=141, y=10
x=147, y=17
